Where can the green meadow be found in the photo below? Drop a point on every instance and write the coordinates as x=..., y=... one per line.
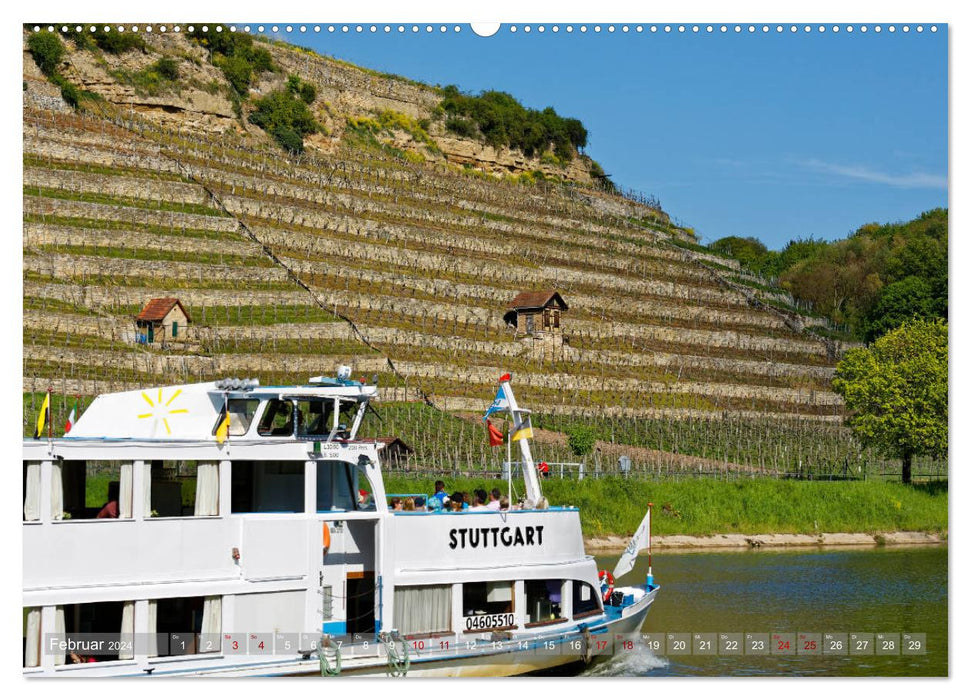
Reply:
x=615, y=506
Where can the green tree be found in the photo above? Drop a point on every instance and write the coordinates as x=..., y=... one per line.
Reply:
x=896, y=391
x=581, y=439
x=898, y=302
x=751, y=252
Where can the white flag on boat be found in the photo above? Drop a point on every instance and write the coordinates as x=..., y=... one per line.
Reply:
x=637, y=543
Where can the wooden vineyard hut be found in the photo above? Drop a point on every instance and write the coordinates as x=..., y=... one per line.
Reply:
x=536, y=314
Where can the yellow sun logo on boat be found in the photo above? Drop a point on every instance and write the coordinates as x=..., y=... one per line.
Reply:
x=161, y=409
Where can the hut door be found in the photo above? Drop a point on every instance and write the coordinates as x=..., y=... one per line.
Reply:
x=529, y=323
x=151, y=333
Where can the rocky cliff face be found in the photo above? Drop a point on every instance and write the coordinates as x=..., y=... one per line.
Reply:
x=199, y=102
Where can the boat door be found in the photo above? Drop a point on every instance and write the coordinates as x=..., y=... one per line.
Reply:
x=347, y=561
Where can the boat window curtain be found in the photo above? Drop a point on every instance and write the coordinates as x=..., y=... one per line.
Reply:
x=57, y=491
x=423, y=609
x=207, y=489
x=125, y=491
x=32, y=653
x=127, y=630
x=61, y=631
x=32, y=492
x=152, y=628
x=212, y=620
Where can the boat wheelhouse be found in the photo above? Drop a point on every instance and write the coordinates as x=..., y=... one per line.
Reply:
x=228, y=528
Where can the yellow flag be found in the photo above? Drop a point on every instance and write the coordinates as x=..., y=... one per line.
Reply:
x=523, y=432
x=42, y=419
x=222, y=432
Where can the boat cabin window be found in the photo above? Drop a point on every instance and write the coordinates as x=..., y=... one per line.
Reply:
x=267, y=487
x=182, y=489
x=544, y=599
x=277, y=418
x=337, y=486
x=109, y=620
x=186, y=625
x=488, y=605
x=315, y=417
x=241, y=412
x=585, y=599
x=345, y=421
x=420, y=610
x=88, y=490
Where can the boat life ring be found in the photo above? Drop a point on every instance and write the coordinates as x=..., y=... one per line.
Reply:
x=325, y=537
x=606, y=584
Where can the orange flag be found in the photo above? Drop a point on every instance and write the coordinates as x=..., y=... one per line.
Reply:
x=495, y=435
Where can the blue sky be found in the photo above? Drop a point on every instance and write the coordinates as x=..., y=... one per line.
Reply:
x=766, y=134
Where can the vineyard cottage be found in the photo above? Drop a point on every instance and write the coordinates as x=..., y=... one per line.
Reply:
x=536, y=313
x=162, y=319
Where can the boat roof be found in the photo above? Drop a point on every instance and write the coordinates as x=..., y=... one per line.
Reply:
x=190, y=411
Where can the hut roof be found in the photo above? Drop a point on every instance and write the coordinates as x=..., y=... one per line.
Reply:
x=386, y=443
x=157, y=309
x=536, y=300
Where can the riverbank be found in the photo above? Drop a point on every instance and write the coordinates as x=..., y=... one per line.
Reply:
x=615, y=544
x=713, y=508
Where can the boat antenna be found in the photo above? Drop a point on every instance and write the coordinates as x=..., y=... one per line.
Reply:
x=373, y=410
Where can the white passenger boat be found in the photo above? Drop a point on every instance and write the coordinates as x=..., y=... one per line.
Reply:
x=245, y=531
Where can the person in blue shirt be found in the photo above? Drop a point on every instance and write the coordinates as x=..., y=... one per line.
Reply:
x=439, y=500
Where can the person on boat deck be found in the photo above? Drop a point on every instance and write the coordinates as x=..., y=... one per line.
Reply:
x=457, y=501
x=503, y=503
x=480, y=501
x=420, y=503
x=494, y=497
x=110, y=509
x=439, y=500
x=396, y=503
x=409, y=504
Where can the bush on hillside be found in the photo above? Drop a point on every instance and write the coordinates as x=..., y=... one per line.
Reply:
x=286, y=118
x=47, y=51
x=301, y=88
x=581, y=439
x=235, y=53
x=503, y=121
x=116, y=42
x=237, y=70
x=167, y=68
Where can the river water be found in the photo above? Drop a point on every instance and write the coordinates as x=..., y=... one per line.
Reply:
x=874, y=591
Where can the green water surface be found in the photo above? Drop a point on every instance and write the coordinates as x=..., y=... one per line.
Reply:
x=874, y=590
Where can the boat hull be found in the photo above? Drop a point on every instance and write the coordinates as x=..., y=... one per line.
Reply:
x=628, y=620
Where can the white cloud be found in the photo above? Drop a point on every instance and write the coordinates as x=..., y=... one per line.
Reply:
x=913, y=180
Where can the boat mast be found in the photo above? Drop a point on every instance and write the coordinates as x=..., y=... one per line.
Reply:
x=533, y=491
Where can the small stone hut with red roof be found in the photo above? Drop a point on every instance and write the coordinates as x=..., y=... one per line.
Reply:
x=536, y=314
x=161, y=320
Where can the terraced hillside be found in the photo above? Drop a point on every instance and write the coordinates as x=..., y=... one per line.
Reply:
x=360, y=255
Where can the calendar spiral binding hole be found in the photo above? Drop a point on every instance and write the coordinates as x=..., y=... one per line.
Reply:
x=512, y=29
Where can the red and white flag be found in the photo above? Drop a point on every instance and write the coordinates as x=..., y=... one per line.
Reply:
x=73, y=416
